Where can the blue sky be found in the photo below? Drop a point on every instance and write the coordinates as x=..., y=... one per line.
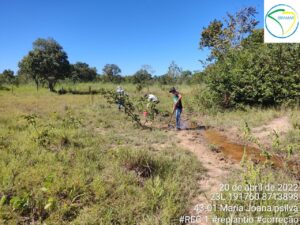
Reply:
x=129, y=33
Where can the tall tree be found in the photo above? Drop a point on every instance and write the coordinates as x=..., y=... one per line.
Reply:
x=83, y=72
x=1, y=80
x=256, y=74
x=111, y=72
x=174, y=71
x=9, y=78
x=185, y=76
x=142, y=76
x=148, y=68
x=47, y=62
x=27, y=72
x=221, y=36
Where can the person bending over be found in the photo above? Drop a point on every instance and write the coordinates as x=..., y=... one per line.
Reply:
x=177, y=107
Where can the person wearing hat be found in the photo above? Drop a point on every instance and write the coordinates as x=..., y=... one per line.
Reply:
x=151, y=98
x=151, y=110
x=177, y=107
x=120, y=97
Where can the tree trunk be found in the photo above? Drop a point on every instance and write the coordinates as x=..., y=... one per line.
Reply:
x=51, y=83
x=51, y=86
x=37, y=85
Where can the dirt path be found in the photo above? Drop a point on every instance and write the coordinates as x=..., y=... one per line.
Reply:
x=281, y=125
x=218, y=168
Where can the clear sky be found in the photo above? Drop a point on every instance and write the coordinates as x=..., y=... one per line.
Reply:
x=129, y=33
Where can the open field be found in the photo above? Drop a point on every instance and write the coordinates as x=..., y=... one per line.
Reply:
x=75, y=159
x=150, y=113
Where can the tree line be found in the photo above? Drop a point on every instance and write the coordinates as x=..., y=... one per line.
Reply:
x=239, y=70
x=47, y=63
x=242, y=70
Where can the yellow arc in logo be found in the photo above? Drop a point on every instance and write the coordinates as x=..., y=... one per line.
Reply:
x=291, y=13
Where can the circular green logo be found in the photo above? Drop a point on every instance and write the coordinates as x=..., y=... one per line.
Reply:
x=282, y=21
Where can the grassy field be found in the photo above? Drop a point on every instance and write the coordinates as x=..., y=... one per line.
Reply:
x=75, y=159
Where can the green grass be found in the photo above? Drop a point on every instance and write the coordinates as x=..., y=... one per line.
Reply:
x=76, y=159
x=254, y=193
x=253, y=116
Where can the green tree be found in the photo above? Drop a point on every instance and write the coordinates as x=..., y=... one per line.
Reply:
x=148, y=68
x=1, y=81
x=254, y=40
x=47, y=62
x=174, y=72
x=221, y=36
x=185, y=77
x=243, y=70
x=26, y=71
x=142, y=76
x=82, y=72
x=9, y=78
x=257, y=74
x=111, y=73
x=197, y=77
x=165, y=79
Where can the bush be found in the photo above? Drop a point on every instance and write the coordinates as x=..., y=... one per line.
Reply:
x=267, y=75
x=205, y=100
